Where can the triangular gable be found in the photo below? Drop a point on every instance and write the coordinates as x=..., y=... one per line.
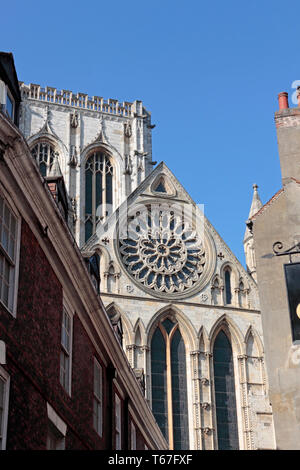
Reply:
x=144, y=191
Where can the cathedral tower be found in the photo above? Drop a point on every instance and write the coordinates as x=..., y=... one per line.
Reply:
x=185, y=308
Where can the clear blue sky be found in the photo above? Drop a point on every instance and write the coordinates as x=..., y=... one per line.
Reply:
x=209, y=72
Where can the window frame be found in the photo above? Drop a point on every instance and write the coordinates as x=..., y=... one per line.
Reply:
x=105, y=161
x=9, y=95
x=98, y=400
x=64, y=351
x=51, y=151
x=132, y=435
x=228, y=285
x=56, y=429
x=118, y=422
x=56, y=437
x=14, y=263
x=234, y=378
x=168, y=336
x=4, y=376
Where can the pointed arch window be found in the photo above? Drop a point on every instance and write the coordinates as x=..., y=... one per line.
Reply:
x=228, y=291
x=43, y=152
x=98, y=190
x=225, y=400
x=169, y=384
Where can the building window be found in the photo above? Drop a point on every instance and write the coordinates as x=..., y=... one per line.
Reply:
x=8, y=255
x=118, y=421
x=98, y=190
x=292, y=273
x=56, y=431
x=66, y=351
x=43, y=153
x=228, y=292
x=132, y=436
x=4, y=399
x=55, y=440
x=169, y=384
x=10, y=105
x=98, y=397
x=226, y=416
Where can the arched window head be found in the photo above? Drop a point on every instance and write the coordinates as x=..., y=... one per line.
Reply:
x=169, y=384
x=43, y=152
x=228, y=291
x=225, y=400
x=98, y=190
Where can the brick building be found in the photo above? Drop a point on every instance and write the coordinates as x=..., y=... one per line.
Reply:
x=65, y=381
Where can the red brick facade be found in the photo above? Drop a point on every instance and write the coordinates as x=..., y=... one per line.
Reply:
x=51, y=270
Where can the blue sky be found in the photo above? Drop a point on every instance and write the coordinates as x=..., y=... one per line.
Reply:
x=209, y=72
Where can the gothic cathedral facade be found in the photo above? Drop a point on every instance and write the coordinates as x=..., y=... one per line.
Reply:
x=187, y=309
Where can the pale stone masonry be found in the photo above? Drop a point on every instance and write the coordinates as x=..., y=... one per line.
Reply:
x=279, y=221
x=191, y=280
x=76, y=124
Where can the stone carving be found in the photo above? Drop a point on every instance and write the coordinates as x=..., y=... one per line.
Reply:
x=163, y=253
x=128, y=165
x=74, y=209
x=207, y=430
x=74, y=120
x=204, y=297
x=140, y=166
x=205, y=405
x=204, y=381
x=73, y=157
x=127, y=129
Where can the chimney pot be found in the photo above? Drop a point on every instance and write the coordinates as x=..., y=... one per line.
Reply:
x=298, y=95
x=283, y=100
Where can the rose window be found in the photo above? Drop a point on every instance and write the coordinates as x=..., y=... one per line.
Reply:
x=162, y=252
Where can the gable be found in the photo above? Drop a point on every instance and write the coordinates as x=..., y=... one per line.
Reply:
x=163, y=242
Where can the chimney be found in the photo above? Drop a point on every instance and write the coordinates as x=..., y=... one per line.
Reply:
x=287, y=122
x=283, y=100
x=298, y=95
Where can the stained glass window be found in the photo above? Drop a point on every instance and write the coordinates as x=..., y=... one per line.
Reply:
x=44, y=155
x=98, y=190
x=169, y=384
x=227, y=429
x=228, y=295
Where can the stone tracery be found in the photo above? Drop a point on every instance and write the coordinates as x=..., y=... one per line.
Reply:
x=163, y=252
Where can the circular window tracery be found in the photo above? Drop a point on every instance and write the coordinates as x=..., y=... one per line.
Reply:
x=163, y=252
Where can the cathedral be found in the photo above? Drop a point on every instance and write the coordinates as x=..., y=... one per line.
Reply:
x=185, y=309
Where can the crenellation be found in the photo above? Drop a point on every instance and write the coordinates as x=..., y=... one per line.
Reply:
x=83, y=101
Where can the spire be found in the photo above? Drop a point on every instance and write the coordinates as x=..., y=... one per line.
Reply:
x=55, y=171
x=255, y=206
x=248, y=237
x=256, y=202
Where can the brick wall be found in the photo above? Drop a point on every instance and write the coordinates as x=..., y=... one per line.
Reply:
x=33, y=345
